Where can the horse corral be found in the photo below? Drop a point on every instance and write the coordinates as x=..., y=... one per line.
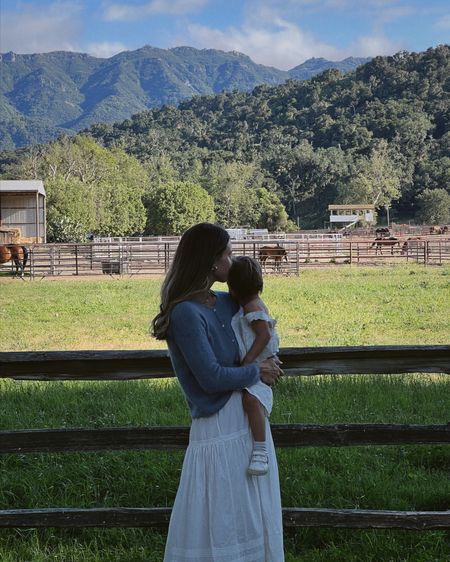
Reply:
x=282, y=257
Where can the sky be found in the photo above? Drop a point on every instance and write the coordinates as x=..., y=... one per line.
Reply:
x=279, y=33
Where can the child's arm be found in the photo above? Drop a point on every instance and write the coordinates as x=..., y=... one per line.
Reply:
x=261, y=329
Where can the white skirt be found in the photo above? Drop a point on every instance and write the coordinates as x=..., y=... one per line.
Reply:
x=221, y=514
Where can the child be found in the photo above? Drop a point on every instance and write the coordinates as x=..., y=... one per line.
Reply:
x=257, y=339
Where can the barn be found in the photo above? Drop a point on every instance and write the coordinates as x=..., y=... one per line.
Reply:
x=22, y=210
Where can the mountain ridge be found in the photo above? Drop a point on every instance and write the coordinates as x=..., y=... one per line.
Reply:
x=43, y=95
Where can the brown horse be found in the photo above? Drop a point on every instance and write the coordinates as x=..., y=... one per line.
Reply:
x=390, y=242
x=16, y=254
x=275, y=253
x=411, y=243
x=438, y=229
x=382, y=232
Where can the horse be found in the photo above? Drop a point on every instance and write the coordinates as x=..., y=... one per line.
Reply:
x=438, y=229
x=410, y=243
x=382, y=232
x=388, y=242
x=16, y=254
x=276, y=253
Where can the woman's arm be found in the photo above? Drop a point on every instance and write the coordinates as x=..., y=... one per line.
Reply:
x=188, y=332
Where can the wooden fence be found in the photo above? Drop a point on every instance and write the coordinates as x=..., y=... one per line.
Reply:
x=127, y=365
x=153, y=257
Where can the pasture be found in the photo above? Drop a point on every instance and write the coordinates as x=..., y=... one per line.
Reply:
x=398, y=305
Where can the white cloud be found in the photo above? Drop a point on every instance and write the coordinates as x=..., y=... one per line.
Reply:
x=371, y=46
x=443, y=23
x=34, y=30
x=293, y=10
x=283, y=44
x=105, y=49
x=127, y=11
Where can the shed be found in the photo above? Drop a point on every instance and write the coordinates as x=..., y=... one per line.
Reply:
x=350, y=215
x=22, y=207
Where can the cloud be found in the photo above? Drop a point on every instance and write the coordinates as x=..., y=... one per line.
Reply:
x=34, y=30
x=127, y=11
x=372, y=46
x=105, y=49
x=282, y=44
x=291, y=10
x=443, y=23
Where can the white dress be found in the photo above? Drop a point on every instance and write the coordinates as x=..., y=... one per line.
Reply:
x=221, y=514
x=245, y=336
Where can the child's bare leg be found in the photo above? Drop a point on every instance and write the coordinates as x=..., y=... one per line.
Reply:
x=255, y=413
x=259, y=462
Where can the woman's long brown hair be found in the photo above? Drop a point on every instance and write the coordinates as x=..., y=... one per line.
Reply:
x=190, y=271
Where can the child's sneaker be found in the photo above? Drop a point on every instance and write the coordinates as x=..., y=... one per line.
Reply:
x=259, y=464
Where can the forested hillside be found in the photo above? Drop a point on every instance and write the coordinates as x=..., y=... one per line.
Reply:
x=44, y=95
x=380, y=134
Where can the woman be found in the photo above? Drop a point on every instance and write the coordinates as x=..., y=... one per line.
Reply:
x=220, y=514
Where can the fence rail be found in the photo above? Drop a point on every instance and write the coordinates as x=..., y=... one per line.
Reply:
x=123, y=365
x=158, y=517
x=174, y=437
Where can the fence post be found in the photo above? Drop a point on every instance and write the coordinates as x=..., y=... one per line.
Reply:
x=76, y=259
x=297, y=258
x=31, y=262
x=351, y=253
x=166, y=257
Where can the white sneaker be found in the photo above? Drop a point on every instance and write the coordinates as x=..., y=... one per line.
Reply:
x=259, y=464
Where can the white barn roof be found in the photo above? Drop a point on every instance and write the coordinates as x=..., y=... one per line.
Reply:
x=24, y=186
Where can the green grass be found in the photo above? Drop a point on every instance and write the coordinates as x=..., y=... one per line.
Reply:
x=322, y=307
x=343, y=306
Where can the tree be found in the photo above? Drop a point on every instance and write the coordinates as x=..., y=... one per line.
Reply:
x=95, y=188
x=71, y=209
x=273, y=215
x=232, y=187
x=308, y=179
x=374, y=179
x=433, y=206
x=177, y=205
x=61, y=228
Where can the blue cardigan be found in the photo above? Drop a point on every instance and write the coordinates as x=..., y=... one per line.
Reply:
x=205, y=354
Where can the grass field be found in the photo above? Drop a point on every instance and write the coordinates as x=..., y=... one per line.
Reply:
x=342, y=306
x=401, y=305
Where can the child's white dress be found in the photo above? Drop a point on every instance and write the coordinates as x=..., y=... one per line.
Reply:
x=245, y=336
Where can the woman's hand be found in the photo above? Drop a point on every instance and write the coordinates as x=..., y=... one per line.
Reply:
x=270, y=370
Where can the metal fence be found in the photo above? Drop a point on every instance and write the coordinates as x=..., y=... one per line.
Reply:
x=150, y=257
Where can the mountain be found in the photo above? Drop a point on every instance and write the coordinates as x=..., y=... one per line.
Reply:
x=45, y=95
x=380, y=133
x=312, y=67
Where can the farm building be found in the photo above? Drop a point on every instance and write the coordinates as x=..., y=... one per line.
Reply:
x=351, y=215
x=22, y=210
